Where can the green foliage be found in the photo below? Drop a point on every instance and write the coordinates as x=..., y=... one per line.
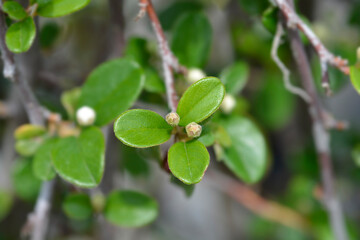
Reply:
x=142, y=128
x=111, y=89
x=207, y=137
x=356, y=155
x=29, y=138
x=200, y=100
x=133, y=162
x=48, y=34
x=69, y=100
x=270, y=18
x=26, y=185
x=80, y=160
x=59, y=8
x=247, y=155
x=170, y=15
x=14, y=10
x=153, y=81
x=5, y=203
x=188, y=161
x=130, y=209
x=20, y=36
x=28, y=131
x=42, y=163
x=254, y=6
x=234, y=77
x=355, y=77
x=77, y=206
x=191, y=39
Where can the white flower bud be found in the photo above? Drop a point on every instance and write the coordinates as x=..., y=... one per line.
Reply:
x=358, y=54
x=173, y=119
x=193, y=130
x=228, y=104
x=195, y=74
x=85, y=116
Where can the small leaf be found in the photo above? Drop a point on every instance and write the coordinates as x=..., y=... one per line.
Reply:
x=269, y=19
x=130, y=209
x=28, y=147
x=207, y=137
x=80, y=160
x=14, y=10
x=356, y=155
x=42, y=163
x=77, y=206
x=5, y=203
x=200, y=100
x=69, y=100
x=26, y=185
x=235, y=77
x=355, y=77
x=137, y=50
x=135, y=164
x=191, y=39
x=142, y=128
x=20, y=36
x=111, y=89
x=153, y=81
x=28, y=131
x=188, y=161
x=48, y=34
x=247, y=157
x=59, y=8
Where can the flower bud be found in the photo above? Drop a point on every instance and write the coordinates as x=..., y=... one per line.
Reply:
x=85, y=116
x=195, y=74
x=172, y=119
x=193, y=130
x=98, y=202
x=228, y=104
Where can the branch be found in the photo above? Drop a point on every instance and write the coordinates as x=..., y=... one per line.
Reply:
x=39, y=219
x=267, y=209
x=320, y=131
x=286, y=73
x=169, y=61
x=293, y=21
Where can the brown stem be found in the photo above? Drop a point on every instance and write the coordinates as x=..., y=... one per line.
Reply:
x=38, y=220
x=321, y=137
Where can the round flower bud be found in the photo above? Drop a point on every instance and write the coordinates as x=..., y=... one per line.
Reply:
x=193, y=130
x=173, y=119
x=358, y=54
x=195, y=74
x=85, y=116
x=228, y=104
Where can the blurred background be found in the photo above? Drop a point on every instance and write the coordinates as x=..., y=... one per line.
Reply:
x=68, y=48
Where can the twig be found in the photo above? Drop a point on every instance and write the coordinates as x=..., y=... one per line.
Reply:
x=320, y=133
x=39, y=219
x=286, y=73
x=169, y=61
x=293, y=21
x=251, y=200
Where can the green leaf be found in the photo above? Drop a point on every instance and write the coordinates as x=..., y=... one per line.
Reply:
x=48, y=34
x=28, y=131
x=26, y=185
x=77, y=206
x=135, y=164
x=14, y=10
x=28, y=147
x=247, y=157
x=20, y=36
x=191, y=39
x=269, y=19
x=153, y=81
x=42, y=163
x=5, y=203
x=130, y=209
x=355, y=77
x=112, y=88
x=80, y=160
x=200, y=100
x=356, y=155
x=188, y=161
x=69, y=100
x=137, y=50
x=142, y=128
x=59, y=8
x=207, y=137
x=235, y=77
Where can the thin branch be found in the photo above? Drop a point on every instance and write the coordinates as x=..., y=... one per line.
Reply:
x=169, y=61
x=251, y=200
x=293, y=21
x=286, y=73
x=320, y=131
x=38, y=220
